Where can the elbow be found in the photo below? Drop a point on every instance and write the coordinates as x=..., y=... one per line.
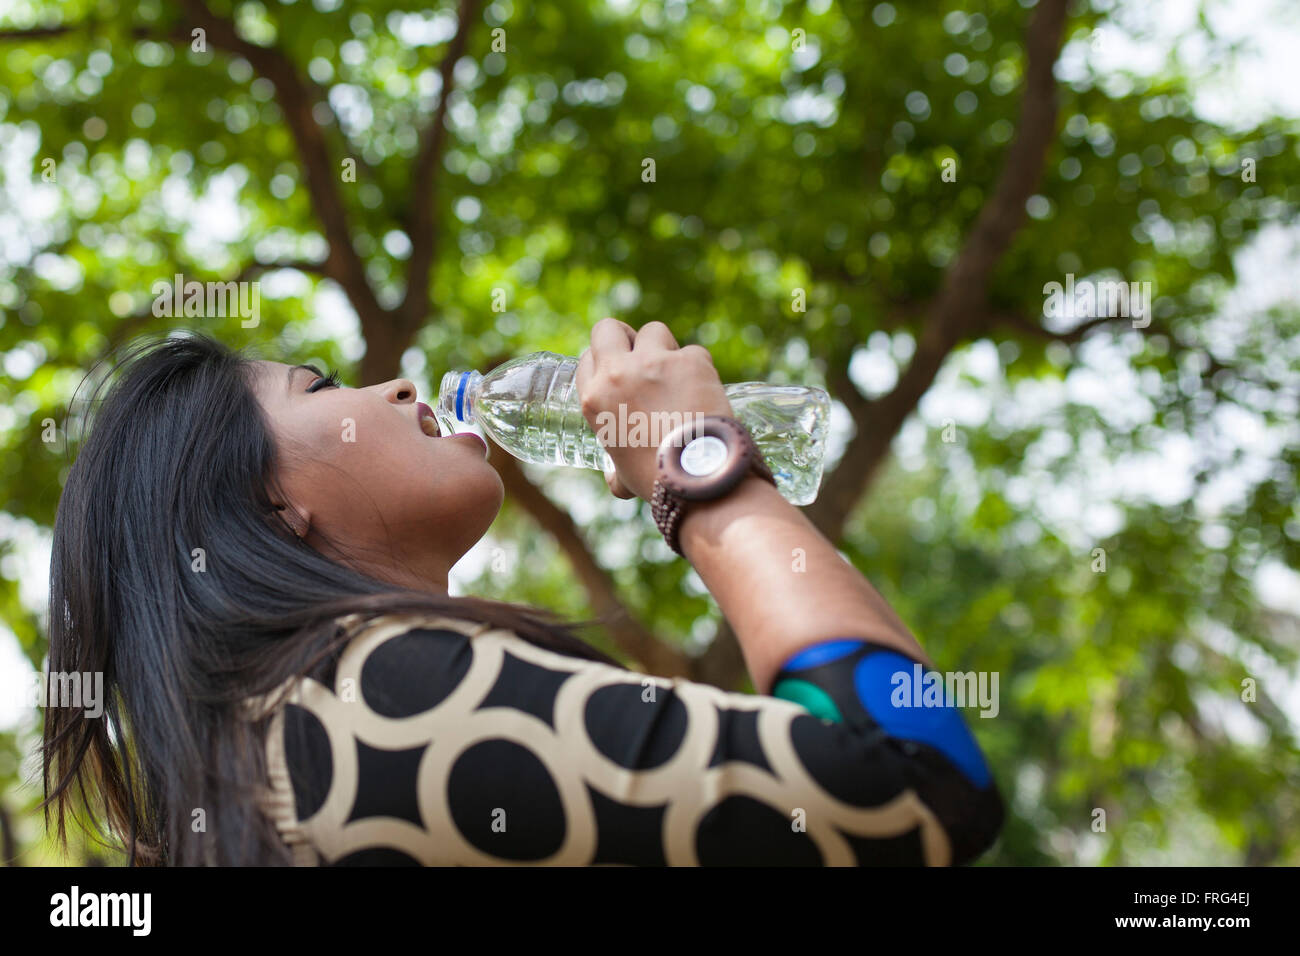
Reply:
x=977, y=826
x=969, y=806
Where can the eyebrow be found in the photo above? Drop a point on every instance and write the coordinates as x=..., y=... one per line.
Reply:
x=288, y=384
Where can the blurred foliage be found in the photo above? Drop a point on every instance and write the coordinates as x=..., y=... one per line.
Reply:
x=775, y=170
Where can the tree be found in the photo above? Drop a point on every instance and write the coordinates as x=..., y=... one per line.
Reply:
x=914, y=176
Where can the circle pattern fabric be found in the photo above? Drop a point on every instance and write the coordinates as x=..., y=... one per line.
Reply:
x=444, y=742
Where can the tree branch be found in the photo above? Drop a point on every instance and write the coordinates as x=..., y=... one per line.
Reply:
x=961, y=300
x=297, y=102
x=631, y=637
x=966, y=281
x=424, y=237
x=39, y=33
x=722, y=664
x=254, y=269
x=136, y=321
x=1022, y=323
x=950, y=316
x=83, y=26
x=1213, y=365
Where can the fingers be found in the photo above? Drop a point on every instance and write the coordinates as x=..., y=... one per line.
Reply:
x=609, y=337
x=586, y=367
x=699, y=352
x=654, y=335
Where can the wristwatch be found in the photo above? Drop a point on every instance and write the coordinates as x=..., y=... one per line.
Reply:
x=700, y=460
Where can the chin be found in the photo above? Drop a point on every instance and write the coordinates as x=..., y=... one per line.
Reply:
x=489, y=492
x=500, y=494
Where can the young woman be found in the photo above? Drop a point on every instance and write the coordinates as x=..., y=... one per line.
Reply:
x=256, y=559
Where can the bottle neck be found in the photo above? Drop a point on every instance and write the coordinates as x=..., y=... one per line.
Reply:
x=456, y=396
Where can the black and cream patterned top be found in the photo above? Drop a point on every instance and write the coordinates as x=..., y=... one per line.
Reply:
x=438, y=741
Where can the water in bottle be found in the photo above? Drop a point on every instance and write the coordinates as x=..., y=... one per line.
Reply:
x=530, y=407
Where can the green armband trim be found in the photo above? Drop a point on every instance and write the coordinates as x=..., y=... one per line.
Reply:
x=809, y=696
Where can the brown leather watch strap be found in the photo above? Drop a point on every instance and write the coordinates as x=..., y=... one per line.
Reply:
x=675, y=488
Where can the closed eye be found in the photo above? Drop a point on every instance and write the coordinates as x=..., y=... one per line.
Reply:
x=330, y=380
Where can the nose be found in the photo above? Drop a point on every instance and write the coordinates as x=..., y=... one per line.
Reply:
x=399, y=391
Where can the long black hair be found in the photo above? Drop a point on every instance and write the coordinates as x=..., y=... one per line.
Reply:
x=180, y=457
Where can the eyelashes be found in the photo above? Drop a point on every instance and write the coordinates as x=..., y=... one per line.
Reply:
x=329, y=380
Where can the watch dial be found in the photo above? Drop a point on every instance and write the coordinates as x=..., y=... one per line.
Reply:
x=703, y=455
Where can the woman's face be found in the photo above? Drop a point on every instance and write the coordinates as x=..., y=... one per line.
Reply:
x=368, y=483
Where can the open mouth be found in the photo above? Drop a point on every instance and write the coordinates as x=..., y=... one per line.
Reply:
x=428, y=423
x=430, y=426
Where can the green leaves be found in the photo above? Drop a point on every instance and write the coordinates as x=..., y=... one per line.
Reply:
x=853, y=169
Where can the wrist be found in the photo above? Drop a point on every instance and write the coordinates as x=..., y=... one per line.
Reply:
x=701, y=461
x=705, y=521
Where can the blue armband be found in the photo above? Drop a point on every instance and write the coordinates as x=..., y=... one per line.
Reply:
x=865, y=684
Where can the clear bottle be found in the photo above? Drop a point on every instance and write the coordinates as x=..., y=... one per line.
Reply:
x=530, y=407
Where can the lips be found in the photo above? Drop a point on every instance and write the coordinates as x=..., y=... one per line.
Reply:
x=429, y=425
x=475, y=437
x=428, y=422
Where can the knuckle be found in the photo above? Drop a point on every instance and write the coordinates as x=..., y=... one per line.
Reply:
x=697, y=353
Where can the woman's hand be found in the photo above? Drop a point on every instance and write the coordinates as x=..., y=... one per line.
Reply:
x=741, y=544
x=628, y=376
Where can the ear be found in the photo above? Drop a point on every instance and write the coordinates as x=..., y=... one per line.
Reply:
x=298, y=521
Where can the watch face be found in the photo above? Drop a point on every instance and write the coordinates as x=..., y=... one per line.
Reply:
x=704, y=455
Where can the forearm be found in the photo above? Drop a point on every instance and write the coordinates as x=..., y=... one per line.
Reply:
x=779, y=581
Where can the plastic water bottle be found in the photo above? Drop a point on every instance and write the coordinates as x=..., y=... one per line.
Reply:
x=530, y=407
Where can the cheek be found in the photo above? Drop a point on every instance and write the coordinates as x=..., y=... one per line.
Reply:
x=345, y=459
x=335, y=438
x=365, y=443
x=369, y=470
